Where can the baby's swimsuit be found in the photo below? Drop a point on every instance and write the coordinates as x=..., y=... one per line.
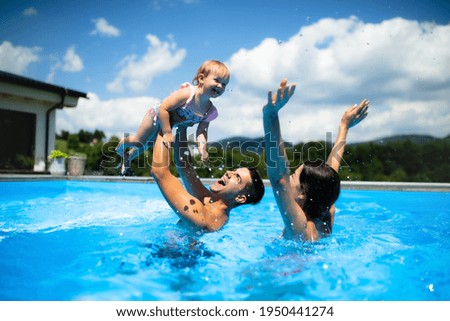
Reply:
x=186, y=111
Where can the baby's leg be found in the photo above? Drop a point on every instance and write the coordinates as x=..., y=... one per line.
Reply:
x=127, y=141
x=146, y=129
x=135, y=152
x=139, y=142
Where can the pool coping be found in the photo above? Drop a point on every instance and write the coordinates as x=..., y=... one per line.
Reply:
x=349, y=185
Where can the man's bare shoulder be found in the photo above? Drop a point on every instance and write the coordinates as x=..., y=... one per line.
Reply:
x=216, y=214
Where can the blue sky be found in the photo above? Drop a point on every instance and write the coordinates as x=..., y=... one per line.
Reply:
x=128, y=55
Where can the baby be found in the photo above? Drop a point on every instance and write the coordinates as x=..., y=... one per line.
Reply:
x=189, y=105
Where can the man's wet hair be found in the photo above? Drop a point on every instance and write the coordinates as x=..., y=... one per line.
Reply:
x=255, y=196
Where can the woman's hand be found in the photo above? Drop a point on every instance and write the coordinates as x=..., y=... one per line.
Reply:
x=277, y=101
x=355, y=114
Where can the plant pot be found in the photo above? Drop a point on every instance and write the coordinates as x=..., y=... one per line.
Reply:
x=76, y=165
x=58, y=166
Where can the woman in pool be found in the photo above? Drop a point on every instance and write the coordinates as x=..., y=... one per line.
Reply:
x=306, y=198
x=186, y=106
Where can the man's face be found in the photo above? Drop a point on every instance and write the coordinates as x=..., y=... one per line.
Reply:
x=234, y=182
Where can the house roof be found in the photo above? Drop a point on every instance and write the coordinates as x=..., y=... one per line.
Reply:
x=28, y=82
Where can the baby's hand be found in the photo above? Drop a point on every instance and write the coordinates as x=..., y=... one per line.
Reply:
x=205, y=157
x=168, y=139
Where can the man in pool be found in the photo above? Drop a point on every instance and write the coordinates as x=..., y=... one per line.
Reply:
x=199, y=208
x=306, y=198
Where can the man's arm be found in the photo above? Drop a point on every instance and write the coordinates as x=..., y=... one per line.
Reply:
x=277, y=163
x=190, y=210
x=183, y=161
x=352, y=116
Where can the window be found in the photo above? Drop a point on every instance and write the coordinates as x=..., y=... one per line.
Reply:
x=17, y=140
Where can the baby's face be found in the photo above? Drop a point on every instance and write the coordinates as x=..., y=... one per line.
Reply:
x=215, y=84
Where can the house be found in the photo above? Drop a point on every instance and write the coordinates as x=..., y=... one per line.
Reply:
x=27, y=121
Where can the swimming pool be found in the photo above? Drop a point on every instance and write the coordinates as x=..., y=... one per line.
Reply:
x=79, y=240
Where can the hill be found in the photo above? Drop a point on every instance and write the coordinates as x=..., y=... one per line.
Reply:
x=257, y=144
x=244, y=143
x=418, y=139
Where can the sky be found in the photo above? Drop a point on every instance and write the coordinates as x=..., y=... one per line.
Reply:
x=129, y=55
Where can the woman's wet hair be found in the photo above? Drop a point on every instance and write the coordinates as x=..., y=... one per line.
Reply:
x=321, y=186
x=256, y=193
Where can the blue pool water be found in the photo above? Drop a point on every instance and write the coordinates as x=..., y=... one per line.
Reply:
x=76, y=240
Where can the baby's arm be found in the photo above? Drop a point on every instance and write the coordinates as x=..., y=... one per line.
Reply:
x=202, y=138
x=173, y=101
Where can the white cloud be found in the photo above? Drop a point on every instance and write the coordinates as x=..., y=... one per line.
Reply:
x=138, y=73
x=53, y=69
x=72, y=62
x=401, y=66
x=113, y=116
x=31, y=11
x=16, y=59
x=103, y=28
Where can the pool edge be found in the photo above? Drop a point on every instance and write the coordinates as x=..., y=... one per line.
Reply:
x=349, y=185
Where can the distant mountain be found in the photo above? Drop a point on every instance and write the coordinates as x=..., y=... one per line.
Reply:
x=244, y=143
x=257, y=144
x=418, y=139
